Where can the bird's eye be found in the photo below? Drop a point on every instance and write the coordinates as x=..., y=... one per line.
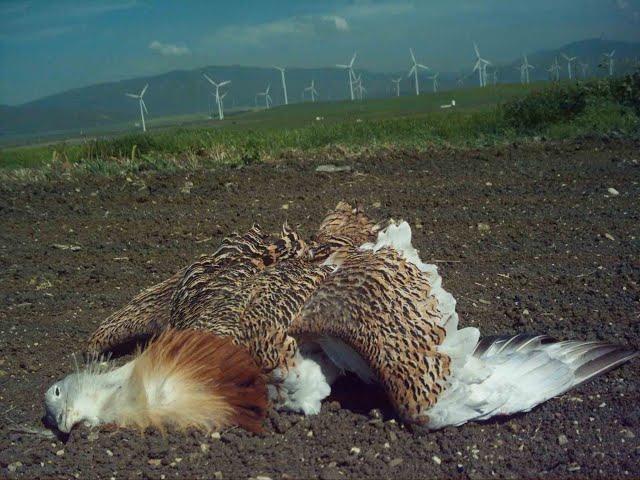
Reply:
x=57, y=391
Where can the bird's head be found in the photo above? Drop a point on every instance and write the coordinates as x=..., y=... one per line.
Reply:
x=71, y=401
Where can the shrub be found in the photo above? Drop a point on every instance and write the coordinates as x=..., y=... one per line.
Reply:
x=557, y=103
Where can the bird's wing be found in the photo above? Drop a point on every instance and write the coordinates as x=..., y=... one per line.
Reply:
x=146, y=315
x=213, y=285
x=391, y=314
x=344, y=225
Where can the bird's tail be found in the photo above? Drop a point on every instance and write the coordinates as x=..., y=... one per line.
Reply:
x=192, y=378
x=503, y=375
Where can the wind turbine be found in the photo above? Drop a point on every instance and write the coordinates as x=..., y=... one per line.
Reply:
x=143, y=107
x=349, y=68
x=481, y=66
x=569, y=60
x=359, y=87
x=584, y=68
x=494, y=76
x=284, y=84
x=554, y=70
x=414, y=70
x=609, y=57
x=434, y=77
x=217, y=85
x=524, y=69
x=312, y=90
x=397, y=82
x=267, y=97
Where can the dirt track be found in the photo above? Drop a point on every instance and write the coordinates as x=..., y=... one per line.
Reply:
x=527, y=238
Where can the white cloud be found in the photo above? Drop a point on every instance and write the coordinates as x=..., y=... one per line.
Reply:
x=169, y=49
x=305, y=26
x=340, y=22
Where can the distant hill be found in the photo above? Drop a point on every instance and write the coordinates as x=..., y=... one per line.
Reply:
x=185, y=92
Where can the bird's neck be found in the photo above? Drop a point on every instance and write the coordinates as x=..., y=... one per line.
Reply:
x=104, y=394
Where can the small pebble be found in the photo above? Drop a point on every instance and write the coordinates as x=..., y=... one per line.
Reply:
x=60, y=453
x=354, y=451
x=216, y=435
x=395, y=462
x=562, y=439
x=436, y=460
x=217, y=475
x=613, y=191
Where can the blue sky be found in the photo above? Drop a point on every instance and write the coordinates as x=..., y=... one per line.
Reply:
x=53, y=45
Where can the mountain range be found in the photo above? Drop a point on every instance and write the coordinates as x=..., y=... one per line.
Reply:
x=185, y=92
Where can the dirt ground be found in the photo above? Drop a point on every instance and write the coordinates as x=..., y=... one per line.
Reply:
x=527, y=237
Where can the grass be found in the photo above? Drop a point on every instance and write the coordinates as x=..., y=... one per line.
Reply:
x=482, y=116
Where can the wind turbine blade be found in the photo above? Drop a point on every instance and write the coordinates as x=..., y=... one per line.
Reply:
x=341, y=66
x=612, y=53
x=131, y=95
x=144, y=90
x=226, y=82
x=413, y=57
x=423, y=66
x=144, y=105
x=413, y=69
x=208, y=79
x=475, y=47
x=353, y=59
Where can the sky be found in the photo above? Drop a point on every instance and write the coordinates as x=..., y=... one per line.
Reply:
x=48, y=46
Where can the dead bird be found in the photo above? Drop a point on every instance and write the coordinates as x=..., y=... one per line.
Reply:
x=185, y=378
x=357, y=298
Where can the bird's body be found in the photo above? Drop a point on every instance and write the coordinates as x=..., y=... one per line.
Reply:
x=357, y=298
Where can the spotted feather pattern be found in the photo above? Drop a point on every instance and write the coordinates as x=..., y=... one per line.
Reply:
x=268, y=295
x=378, y=304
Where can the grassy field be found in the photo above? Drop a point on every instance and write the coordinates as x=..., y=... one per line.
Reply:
x=481, y=116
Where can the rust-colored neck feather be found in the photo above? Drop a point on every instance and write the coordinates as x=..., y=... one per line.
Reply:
x=217, y=383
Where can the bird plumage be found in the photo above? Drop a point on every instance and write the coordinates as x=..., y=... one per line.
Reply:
x=357, y=297
x=185, y=378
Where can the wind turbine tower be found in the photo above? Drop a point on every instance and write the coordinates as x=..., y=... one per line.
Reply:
x=569, y=60
x=609, y=57
x=481, y=66
x=312, y=90
x=584, y=69
x=284, y=84
x=414, y=70
x=217, y=87
x=267, y=97
x=397, y=82
x=349, y=68
x=434, y=78
x=143, y=107
x=554, y=69
x=525, y=67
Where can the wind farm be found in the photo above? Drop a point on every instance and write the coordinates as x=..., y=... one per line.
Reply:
x=233, y=170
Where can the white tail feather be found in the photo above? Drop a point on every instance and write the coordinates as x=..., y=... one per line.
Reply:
x=513, y=374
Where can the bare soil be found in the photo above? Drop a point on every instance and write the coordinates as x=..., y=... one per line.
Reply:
x=527, y=237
